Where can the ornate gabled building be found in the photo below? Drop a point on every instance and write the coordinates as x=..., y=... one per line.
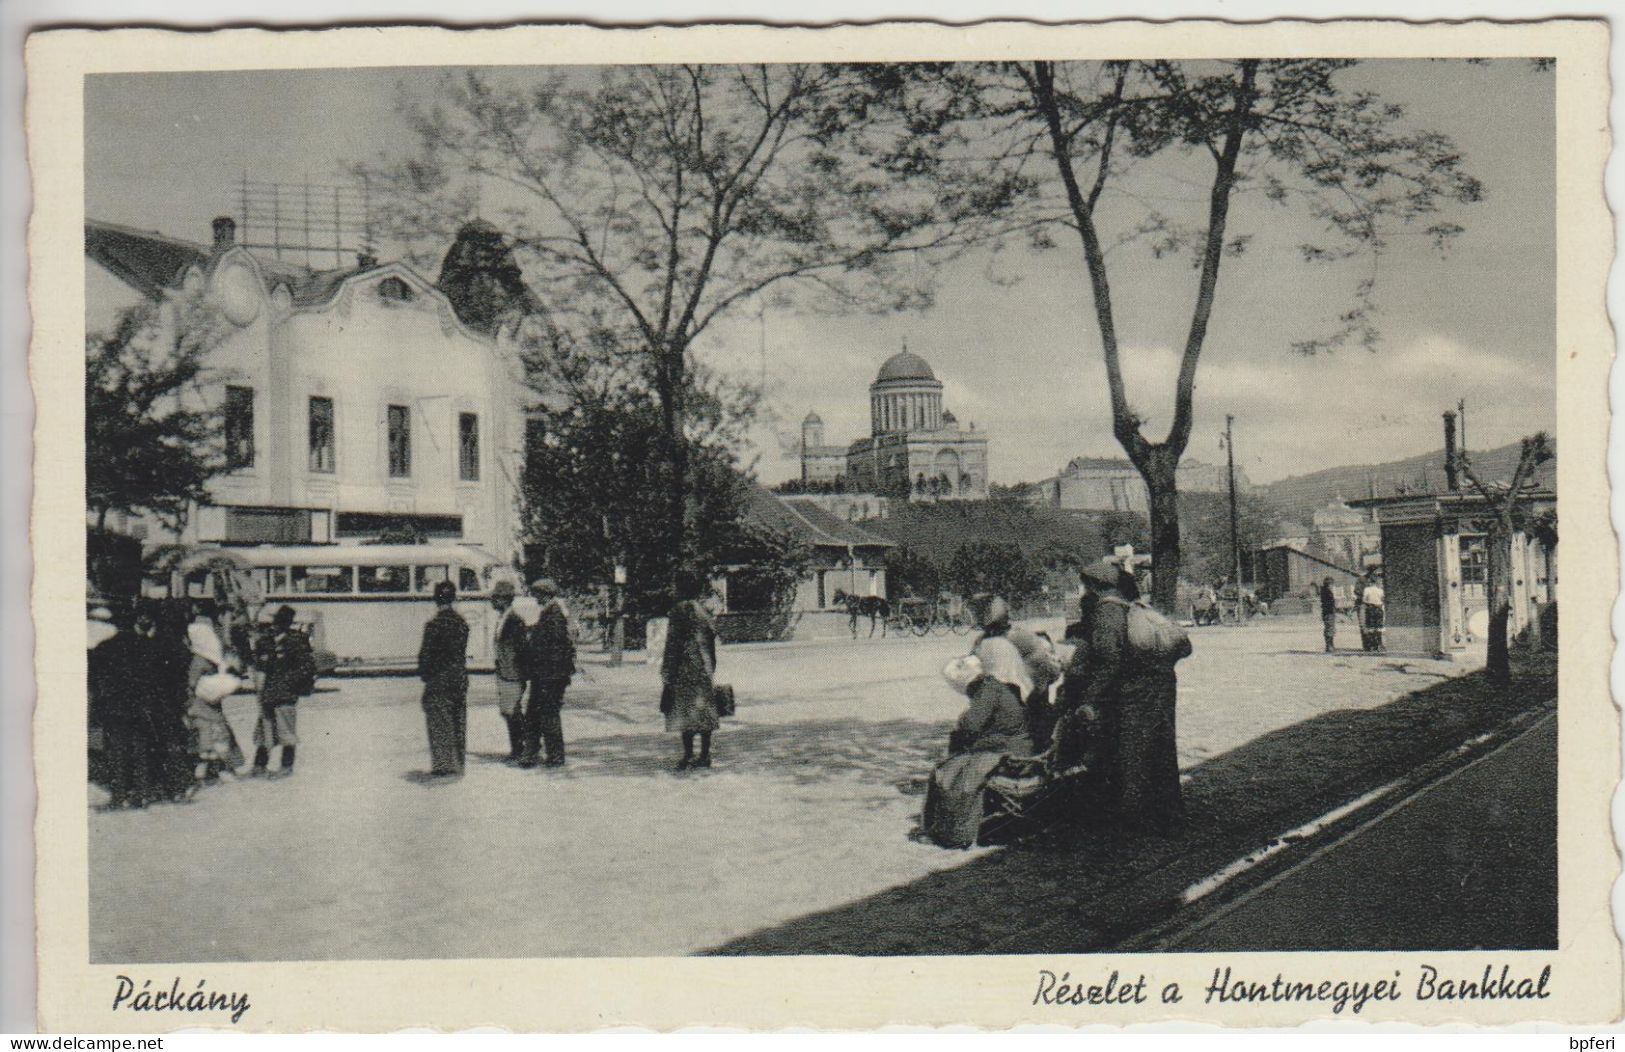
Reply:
x=915, y=449
x=356, y=402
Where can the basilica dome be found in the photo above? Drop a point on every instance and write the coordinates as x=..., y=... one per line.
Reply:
x=905, y=365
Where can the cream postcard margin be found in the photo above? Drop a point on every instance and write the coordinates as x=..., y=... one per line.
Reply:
x=820, y=992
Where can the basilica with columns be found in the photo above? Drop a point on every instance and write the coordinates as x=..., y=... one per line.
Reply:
x=915, y=448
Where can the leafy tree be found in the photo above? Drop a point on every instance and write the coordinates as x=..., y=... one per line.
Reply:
x=911, y=572
x=1290, y=129
x=593, y=470
x=1206, y=553
x=151, y=440
x=1001, y=568
x=1508, y=512
x=654, y=200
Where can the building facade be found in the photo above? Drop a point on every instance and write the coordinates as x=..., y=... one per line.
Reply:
x=356, y=402
x=1099, y=484
x=915, y=448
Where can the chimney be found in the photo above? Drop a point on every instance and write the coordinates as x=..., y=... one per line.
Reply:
x=1451, y=483
x=225, y=232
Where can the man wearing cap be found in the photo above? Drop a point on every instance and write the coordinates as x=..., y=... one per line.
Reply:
x=512, y=628
x=550, y=661
x=443, y=668
x=287, y=671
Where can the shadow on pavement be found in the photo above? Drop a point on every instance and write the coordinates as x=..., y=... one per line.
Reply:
x=1085, y=894
x=803, y=752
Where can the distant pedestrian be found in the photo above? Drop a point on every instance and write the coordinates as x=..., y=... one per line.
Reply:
x=512, y=628
x=1372, y=600
x=550, y=664
x=688, y=670
x=443, y=668
x=1328, y=614
x=287, y=673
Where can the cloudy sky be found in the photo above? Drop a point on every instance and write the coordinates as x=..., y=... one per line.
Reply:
x=1020, y=355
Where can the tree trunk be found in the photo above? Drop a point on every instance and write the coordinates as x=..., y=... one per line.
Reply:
x=1498, y=596
x=670, y=390
x=1159, y=472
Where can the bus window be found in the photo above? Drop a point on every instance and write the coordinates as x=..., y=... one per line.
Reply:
x=428, y=577
x=272, y=580
x=323, y=580
x=376, y=579
x=468, y=580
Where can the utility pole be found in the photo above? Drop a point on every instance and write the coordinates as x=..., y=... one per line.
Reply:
x=1235, y=532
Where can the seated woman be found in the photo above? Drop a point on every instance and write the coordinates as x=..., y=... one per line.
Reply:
x=996, y=720
x=992, y=727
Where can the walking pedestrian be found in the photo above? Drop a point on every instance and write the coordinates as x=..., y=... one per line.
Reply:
x=1328, y=614
x=443, y=668
x=287, y=673
x=512, y=625
x=550, y=660
x=688, y=670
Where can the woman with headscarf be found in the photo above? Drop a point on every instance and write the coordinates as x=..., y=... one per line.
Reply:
x=1118, y=703
x=1037, y=652
x=209, y=682
x=688, y=671
x=992, y=727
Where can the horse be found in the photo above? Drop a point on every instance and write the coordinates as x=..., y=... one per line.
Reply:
x=874, y=607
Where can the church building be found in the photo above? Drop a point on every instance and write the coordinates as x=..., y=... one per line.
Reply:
x=915, y=449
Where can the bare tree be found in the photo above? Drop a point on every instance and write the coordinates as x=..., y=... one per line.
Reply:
x=1288, y=129
x=1506, y=512
x=652, y=201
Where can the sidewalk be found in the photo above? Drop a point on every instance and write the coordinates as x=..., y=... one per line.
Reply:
x=1469, y=862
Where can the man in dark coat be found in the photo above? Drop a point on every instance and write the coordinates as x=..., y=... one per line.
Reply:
x=124, y=688
x=550, y=662
x=1328, y=614
x=443, y=668
x=1118, y=704
x=287, y=673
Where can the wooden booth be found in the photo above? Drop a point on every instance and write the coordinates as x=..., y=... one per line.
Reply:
x=1434, y=569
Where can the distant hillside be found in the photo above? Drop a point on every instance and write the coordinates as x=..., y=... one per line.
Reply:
x=1299, y=496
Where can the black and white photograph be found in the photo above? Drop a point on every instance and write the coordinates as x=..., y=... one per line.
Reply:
x=1036, y=507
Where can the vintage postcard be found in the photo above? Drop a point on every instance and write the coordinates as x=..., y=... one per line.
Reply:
x=746, y=527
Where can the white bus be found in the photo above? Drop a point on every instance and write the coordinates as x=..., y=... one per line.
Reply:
x=367, y=604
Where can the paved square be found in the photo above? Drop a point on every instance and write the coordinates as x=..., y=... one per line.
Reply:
x=817, y=787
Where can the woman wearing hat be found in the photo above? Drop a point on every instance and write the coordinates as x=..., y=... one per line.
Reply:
x=1122, y=699
x=688, y=670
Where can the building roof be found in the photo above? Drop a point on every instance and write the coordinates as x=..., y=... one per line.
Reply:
x=905, y=365
x=151, y=262
x=812, y=417
x=804, y=518
x=144, y=259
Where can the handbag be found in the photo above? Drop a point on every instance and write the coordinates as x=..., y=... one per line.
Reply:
x=722, y=699
x=1154, y=636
